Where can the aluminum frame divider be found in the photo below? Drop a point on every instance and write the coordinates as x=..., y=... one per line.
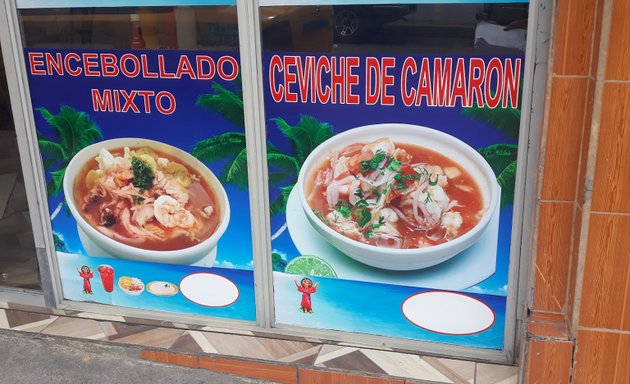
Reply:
x=534, y=92
x=534, y=89
x=256, y=139
x=32, y=170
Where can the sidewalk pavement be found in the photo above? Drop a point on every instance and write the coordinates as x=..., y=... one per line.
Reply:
x=37, y=359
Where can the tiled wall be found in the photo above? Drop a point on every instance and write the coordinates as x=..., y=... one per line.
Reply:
x=581, y=272
x=565, y=146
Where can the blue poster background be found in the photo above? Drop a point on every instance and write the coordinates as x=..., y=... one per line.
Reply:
x=342, y=294
x=188, y=125
x=242, y=309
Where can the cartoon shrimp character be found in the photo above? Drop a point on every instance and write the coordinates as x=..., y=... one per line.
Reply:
x=306, y=287
x=86, y=274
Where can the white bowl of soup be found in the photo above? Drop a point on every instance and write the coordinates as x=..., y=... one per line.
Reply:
x=144, y=200
x=398, y=196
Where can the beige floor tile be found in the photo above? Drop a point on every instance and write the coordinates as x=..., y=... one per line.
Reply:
x=405, y=365
x=237, y=345
x=254, y=347
x=202, y=341
x=459, y=371
x=330, y=352
x=302, y=355
x=282, y=348
x=108, y=328
x=74, y=327
x=37, y=326
x=496, y=374
x=4, y=322
x=155, y=337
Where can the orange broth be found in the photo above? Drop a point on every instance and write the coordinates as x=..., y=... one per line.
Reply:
x=470, y=203
x=200, y=196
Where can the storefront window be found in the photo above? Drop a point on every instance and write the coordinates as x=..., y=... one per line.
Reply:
x=18, y=258
x=392, y=143
x=134, y=109
x=206, y=28
x=392, y=135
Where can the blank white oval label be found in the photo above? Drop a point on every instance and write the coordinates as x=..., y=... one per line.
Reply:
x=209, y=290
x=448, y=313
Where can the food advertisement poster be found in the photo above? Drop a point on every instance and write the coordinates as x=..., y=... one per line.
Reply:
x=145, y=210
x=391, y=179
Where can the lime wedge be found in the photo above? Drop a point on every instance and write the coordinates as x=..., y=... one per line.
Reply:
x=310, y=265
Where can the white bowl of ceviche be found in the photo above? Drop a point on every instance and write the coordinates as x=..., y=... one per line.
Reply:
x=398, y=196
x=144, y=200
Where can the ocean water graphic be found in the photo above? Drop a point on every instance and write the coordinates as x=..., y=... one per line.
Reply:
x=369, y=308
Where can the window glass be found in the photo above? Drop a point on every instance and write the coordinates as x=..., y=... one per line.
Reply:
x=134, y=107
x=392, y=143
x=208, y=28
x=18, y=260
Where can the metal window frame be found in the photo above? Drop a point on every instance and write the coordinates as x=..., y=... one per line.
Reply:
x=31, y=167
x=534, y=90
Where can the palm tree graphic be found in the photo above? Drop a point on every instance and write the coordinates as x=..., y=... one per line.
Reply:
x=75, y=131
x=304, y=136
x=501, y=157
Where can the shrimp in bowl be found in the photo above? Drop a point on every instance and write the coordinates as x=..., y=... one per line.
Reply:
x=144, y=200
x=398, y=196
x=394, y=195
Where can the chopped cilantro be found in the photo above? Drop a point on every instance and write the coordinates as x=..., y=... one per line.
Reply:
x=431, y=181
x=428, y=199
x=378, y=158
x=400, y=183
x=361, y=203
x=138, y=199
x=376, y=193
x=343, y=208
x=381, y=221
x=369, y=234
x=363, y=216
x=394, y=165
x=359, y=193
x=142, y=174
x=368, y=165
x=412, y=176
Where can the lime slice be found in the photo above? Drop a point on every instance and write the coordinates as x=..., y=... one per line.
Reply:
x=310, y=265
